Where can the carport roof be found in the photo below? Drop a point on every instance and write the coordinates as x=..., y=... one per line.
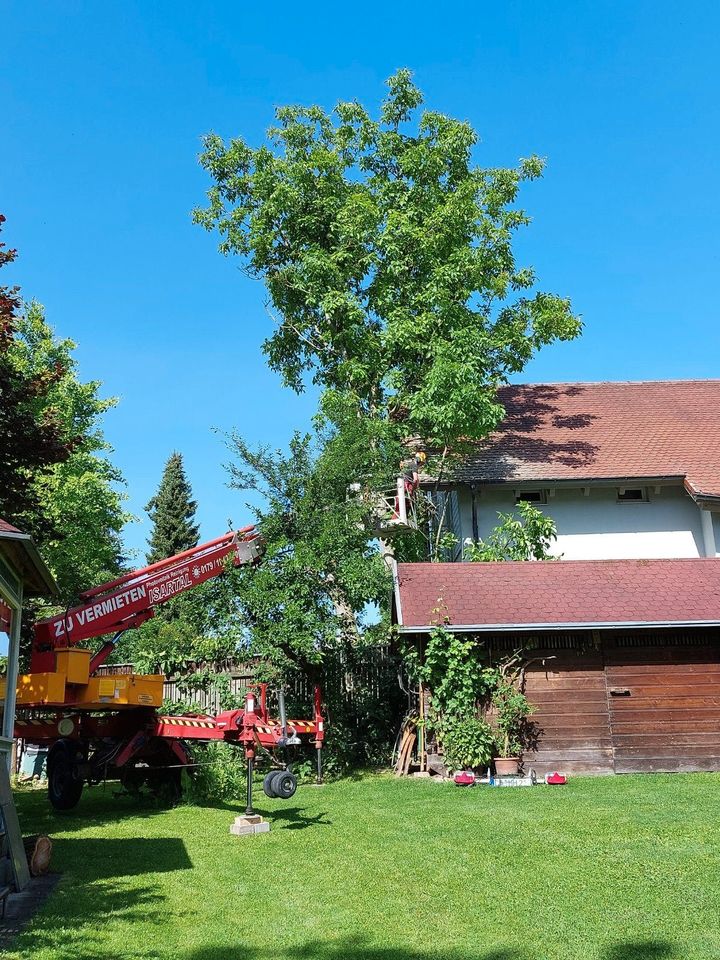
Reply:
x=20, y=551
x=554, y=595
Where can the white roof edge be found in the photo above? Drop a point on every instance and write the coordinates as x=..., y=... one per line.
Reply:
x=396, y=590
x=519, y=627
x=37, y=561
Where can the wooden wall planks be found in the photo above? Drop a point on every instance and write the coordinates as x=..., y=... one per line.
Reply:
x=671, y=719
x=664, y=714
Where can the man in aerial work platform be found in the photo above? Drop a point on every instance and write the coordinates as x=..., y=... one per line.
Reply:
x=411, y=472
x=410, y=476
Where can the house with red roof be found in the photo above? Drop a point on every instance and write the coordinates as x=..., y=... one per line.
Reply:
x=622, y=636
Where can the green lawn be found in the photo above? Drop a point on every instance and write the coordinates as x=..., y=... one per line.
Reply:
x=385, y=869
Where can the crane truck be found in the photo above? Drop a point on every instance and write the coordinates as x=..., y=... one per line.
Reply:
x=106, y=726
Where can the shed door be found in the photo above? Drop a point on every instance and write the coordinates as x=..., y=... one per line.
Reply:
x=664, y=703
x=571, y=716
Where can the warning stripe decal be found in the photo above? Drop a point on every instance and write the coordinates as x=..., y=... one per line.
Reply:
x=186, y=722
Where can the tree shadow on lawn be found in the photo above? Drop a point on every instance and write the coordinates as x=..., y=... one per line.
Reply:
x=94, y=886
x=358, y=948
x=98, y=806
x=101, y=858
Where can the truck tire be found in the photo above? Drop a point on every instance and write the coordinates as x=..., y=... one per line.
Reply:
x=284, y=784
x=64, y=783
x=268, y=784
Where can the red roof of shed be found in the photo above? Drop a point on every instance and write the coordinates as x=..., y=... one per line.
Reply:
x=6, y=527
x=592, y=431
x=579, y=593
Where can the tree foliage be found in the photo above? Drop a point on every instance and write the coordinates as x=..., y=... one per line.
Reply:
x=321, y=569
x=529, y=536
x=78, y=503
x=32, y=433
x=387, y=255
x=172, y=512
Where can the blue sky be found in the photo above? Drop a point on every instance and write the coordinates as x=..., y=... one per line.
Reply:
x=103, y=108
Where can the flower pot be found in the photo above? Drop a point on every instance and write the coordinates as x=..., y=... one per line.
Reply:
x=506, y=766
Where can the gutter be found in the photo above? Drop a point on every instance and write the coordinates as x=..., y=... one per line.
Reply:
x=521, y=627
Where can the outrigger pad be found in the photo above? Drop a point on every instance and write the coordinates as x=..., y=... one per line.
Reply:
x=248, y=825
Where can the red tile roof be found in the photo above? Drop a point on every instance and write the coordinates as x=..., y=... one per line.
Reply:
x=6, y=527
x=562, y=593
x=592, y=431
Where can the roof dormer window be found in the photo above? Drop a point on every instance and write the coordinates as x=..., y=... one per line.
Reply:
x=530, y=496
x=632, y=495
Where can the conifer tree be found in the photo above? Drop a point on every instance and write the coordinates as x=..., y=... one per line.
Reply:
x=172, y=511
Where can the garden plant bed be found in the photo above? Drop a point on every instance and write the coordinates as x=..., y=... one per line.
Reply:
x=623, y=868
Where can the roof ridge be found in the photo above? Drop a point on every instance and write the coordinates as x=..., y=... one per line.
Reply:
x=603, y=383
x=468, y=564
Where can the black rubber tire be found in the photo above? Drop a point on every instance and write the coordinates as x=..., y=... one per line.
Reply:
x=64, y=784
x=284, y=784
x=268, y=784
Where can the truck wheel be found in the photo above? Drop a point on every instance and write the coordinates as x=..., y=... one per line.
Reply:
x=268, y=784
x=64, y=783
x=284, y=784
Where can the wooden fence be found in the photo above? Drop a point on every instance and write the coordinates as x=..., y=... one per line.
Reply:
x=346, y=680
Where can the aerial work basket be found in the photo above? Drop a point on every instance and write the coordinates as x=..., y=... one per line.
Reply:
x=394, y=510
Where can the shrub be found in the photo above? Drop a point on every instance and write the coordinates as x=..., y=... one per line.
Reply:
x=467, y=742
x=513, y=710
x=220, y=774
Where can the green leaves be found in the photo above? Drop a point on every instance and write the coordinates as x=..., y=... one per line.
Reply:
x=78, y=509
x=388, y=258
x=512, y=712
x=320, y=570
x=528, y=536
x=468, y=742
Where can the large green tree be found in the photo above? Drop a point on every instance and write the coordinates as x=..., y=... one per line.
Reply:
x=321, y=568
x=172, y=512
x=387, y=255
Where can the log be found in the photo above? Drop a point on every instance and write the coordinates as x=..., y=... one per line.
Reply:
x=38, y=850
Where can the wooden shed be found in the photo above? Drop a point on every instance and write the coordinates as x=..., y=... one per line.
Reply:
x=623, y=655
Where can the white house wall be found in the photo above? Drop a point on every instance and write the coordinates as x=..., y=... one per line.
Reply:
x=597, y=527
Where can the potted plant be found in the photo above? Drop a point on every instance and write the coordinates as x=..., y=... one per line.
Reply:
x=511, y=712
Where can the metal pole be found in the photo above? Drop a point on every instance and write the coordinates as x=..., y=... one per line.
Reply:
x=283, y=717
x=8, y=723
x=249, y=809
x=319, y=778
x=402, y=503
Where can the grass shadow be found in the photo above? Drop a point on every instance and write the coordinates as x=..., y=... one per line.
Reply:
x=359, y=948
x=351, y=948
x=293, y=818
x=641, y=950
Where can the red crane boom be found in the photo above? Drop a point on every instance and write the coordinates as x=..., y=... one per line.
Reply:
x=129, y=600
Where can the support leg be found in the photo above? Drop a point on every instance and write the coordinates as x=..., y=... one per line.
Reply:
x=319, y=778
x=250, y=765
